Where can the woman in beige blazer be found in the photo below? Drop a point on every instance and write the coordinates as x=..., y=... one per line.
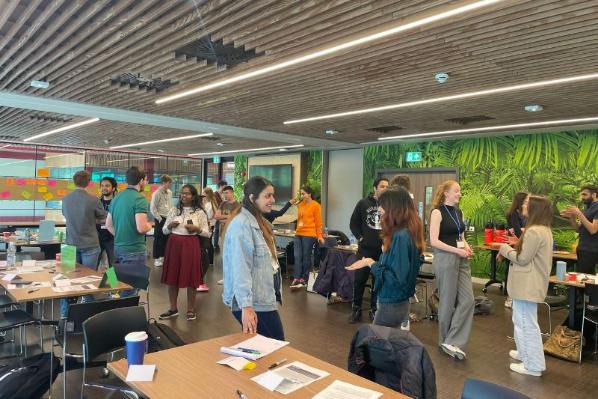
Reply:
x=531, y=262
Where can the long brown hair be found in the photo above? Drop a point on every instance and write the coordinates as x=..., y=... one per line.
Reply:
x=399, y=213
x=254, y=186
x=539, y=213
x=211, y=197
x=439, y=197
x=517, y=203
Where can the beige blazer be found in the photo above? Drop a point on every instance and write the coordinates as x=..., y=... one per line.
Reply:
x=529, y=272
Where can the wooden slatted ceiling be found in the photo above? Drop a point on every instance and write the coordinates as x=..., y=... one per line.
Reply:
x=79, y=45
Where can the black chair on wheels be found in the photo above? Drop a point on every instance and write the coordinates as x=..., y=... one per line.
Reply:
x=478, y=389
x=97, y=342
x=138, y=279
x=69, y=332
x=590, y=314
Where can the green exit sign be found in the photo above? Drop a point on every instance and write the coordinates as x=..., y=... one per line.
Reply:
x=414, y=156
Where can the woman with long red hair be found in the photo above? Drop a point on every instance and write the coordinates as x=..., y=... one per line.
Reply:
x=403, y=244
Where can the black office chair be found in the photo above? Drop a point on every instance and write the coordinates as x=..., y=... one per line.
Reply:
x=478, y=389
x=590, y=313
x=97, y=342
x=69, y=332
x=20, y=319
x=138, y=279
x=341, y=238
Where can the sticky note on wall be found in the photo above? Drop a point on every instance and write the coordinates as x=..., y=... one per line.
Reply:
x=10, y=181
x=61, y=192
x=43, y=172
x=42, y=189
x=20, y=182
x=52, y=183
x=26, y=194
x=5, y=194
x=71, y=186
x=48, y=196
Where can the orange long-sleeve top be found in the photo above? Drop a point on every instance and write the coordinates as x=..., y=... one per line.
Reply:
x=309, y=219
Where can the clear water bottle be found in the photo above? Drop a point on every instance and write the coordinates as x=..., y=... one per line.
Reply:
x=11, y=256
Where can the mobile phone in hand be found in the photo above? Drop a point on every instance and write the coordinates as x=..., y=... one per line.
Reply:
x=189, y=221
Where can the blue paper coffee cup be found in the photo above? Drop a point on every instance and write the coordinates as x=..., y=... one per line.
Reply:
x=136, y=344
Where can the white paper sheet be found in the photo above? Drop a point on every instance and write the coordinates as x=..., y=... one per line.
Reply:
x=141, y=372
x=290, y=377
x=343, y=390
x=262, y=346
x=62, y=283
x=28, y=263
x=238, y=363
x=85, y=280
x=8, y=277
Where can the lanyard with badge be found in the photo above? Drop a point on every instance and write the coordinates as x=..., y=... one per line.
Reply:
x=460, y=242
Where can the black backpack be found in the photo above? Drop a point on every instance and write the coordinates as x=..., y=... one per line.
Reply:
x=27, y=378
x=161, y=336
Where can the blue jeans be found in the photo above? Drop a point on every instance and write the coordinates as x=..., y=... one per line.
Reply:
x=268, y=324
x=528, y=338
x=87, y=257
x=303, y=248
x=132, y=262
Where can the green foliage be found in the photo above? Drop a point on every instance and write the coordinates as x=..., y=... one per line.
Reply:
x=240, y=174
x=314, y=172
x=564, y=238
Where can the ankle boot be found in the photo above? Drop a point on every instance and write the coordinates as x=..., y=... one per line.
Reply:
x=355, y=316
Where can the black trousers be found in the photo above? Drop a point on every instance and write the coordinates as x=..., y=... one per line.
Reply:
x=586, y=261
x=361, y=279
x=159, y=248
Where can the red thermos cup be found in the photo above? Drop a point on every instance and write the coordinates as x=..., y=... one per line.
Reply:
x=489, y=233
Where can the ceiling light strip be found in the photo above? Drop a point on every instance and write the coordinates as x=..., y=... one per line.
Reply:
x=329, y=50
x=571, y=79
x=64, y=128
x=490, y=128
x=193, y=136
x=247, y=150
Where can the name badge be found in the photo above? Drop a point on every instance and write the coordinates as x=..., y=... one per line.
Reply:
x=460, y=244
x=103, y=227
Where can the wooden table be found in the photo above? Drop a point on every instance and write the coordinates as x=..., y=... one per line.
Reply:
x=22, y=295
x=49, y=248
x=33, y=223
x=574, y=288
x=191, y=371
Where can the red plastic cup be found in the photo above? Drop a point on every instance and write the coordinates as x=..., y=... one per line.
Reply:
x=571, y=276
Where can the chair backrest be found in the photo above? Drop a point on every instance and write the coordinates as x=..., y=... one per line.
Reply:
x=77, y=313
x=342, y=238
x=478, y=389
x=591, y=291
x=106, y=331
x=136, y=278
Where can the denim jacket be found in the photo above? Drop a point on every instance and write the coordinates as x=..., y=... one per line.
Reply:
x=247, y=266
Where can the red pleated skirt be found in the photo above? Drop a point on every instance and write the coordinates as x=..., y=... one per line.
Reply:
x=182, y=262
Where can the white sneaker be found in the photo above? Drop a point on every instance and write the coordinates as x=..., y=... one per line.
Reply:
x=158, y=262
x=406, y=325
x=220, y=282
x=453, y=351
x=519, y=368
x=509, y=303
x=513, y=354
x=459, y=354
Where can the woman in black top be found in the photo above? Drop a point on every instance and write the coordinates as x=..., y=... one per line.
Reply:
x=453, y=274
x=515, y=218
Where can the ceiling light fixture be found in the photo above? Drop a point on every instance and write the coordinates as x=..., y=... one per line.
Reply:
x=193, y=136
x=571, y=79
x=64, y=128
x=533, y=108
x=329, y=50
x=490, y=128
x=248, y=150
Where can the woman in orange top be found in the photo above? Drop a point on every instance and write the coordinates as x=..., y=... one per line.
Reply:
x=309, y=229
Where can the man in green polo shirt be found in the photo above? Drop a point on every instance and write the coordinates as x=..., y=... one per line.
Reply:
x=127, y=221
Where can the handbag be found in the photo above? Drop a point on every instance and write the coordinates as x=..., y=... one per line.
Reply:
x=564, y=343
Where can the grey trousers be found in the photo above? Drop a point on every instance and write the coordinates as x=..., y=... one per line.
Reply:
x=392, y=314
x=455, y=293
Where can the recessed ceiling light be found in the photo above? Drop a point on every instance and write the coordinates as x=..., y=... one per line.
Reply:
x=193, y=136
x=571, y=79
x=40, y=84
x=220, y=144
x=331, y=132
x=490, y=128
x=401, y=27
x=62, y=129
x=283, y=149
x=533, y=108
x=160, y=150
x=247, y=150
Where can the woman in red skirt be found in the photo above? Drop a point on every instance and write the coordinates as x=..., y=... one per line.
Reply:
x=182, y=261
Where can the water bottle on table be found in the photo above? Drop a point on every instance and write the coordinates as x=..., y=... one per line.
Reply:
x=11, y=256
x=561, y=270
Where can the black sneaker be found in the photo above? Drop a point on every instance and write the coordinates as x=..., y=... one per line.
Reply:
x=355, y=316
x=168, y=314
x=372, y=314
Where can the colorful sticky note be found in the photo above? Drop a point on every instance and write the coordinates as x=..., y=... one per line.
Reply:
x=48, y=196
x=30, y=182
x=71, y=186
x=42, y=182
x=5, y=194
x=26, y=194
x=43, y=172
x=10, y=181
x=42, y=189
x=52, y=183
x=146, y=188
x=61, y=192
x=20, y=182
x=154, y=189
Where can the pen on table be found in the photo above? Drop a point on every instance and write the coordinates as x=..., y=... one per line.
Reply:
x=246, y=350
x=33, y=290
x=276, y=364
x=241, y=395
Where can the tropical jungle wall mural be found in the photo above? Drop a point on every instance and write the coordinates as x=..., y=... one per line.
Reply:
x=493, y=169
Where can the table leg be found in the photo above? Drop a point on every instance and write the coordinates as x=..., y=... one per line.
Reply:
x=572, y=304
x=493, y=266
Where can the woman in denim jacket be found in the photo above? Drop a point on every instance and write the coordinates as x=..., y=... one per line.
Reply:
x=250, y=262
